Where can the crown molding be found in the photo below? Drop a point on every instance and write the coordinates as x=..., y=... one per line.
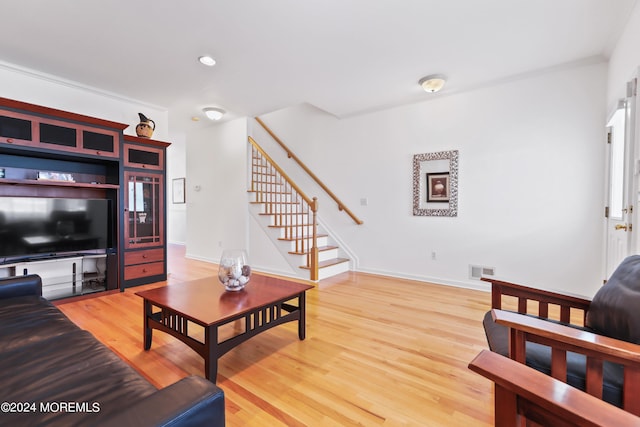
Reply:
x=74, y=85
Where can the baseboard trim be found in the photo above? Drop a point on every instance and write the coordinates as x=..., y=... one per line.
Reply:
x=474, y=285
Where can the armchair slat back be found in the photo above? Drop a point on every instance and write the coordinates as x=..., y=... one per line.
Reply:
x=569, y=308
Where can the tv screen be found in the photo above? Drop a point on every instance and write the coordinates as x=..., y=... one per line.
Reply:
x=39, y=227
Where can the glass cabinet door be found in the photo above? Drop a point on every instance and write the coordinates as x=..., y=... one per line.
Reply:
x=143, y=210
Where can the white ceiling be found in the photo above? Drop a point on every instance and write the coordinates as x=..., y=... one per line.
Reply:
x=343, y=56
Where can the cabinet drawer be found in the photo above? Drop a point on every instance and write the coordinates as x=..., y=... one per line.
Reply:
x=143, y=270
x=140, y=257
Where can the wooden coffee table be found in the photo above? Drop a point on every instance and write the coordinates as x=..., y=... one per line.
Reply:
x=264, y=303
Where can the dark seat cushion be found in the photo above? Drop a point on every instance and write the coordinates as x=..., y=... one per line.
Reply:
x=539, y=358
x=73, y=367
x=615, y=308
x=29, y=319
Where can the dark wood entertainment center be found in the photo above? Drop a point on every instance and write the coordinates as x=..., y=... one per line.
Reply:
x=95, y=160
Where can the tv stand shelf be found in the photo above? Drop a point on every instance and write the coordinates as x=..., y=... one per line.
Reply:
x=64, y=276
x=52, y=183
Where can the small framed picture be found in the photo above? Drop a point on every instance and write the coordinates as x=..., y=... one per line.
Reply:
x=178, y=190
x=438, y=187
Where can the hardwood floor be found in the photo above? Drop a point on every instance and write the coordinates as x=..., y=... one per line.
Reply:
x=379, y=352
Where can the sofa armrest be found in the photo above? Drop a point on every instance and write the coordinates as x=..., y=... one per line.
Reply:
x=192, y=401
x=523, y=391
x=544, y=298
x=19, y=286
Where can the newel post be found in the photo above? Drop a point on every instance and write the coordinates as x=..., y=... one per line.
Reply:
x=314, y=241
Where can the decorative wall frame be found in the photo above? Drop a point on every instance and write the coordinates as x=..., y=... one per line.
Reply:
x=435, y=182
x=178, y=192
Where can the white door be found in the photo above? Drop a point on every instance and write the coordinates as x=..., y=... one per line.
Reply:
x=622, y=185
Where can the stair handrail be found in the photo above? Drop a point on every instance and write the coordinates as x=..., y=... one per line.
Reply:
x=291, y=155
x=313, y=205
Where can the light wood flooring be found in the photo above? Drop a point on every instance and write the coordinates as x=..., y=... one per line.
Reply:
x=379, y=351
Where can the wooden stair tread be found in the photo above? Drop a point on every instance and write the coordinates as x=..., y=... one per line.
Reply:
x=320, y=249
x=284, y=213
x=327, y=263
x=270, y=192
x=279, y=203
x=269, y=183
x=304, y=236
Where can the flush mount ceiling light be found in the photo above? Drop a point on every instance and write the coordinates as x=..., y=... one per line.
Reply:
x=207, y=60
x=213, y=113
x=433, y=83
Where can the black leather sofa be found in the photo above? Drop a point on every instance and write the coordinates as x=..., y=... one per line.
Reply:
x=52, y=373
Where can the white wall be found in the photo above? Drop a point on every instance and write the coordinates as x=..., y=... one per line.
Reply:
x=624, y=60
x=530, y=180
x=176, y=168
x=217, y=212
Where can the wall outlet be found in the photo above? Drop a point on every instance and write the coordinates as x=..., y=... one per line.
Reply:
x=433, y=255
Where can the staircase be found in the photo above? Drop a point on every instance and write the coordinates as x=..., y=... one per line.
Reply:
x=289, y=218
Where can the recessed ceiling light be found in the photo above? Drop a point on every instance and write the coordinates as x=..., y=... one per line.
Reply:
x=213, y=113
x=207, y=60
x=433, y=83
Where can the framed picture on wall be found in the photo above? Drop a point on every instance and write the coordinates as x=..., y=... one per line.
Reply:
x=438, y=187
x=178, y=190
x=435, y=183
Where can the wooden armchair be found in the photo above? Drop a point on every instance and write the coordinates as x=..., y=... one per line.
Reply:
x=590, y=345
x=524, y=396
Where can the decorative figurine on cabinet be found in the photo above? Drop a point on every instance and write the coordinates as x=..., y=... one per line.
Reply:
x=145, y=128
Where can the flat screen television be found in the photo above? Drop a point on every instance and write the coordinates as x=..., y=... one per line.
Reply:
x=39, y=227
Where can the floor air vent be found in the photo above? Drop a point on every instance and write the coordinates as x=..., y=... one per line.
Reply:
x=477, y=271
